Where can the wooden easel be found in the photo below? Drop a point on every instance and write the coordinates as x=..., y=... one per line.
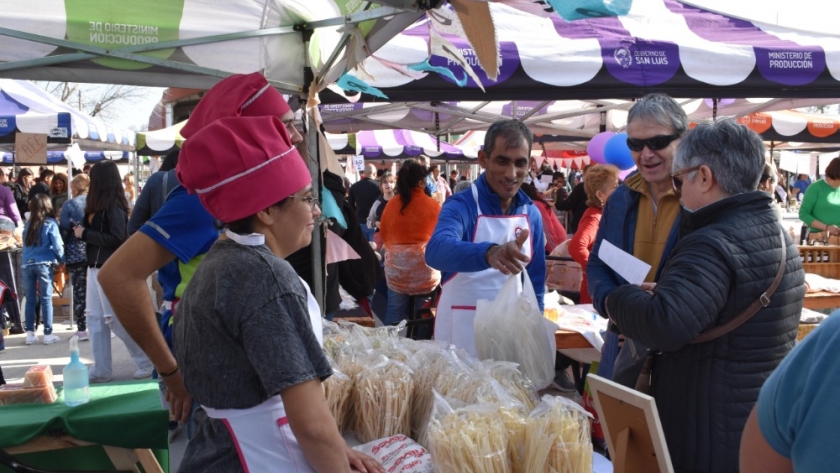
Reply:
x=124, y=459
x=631, y=427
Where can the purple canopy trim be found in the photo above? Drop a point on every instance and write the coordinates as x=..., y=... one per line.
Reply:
x=781, y=61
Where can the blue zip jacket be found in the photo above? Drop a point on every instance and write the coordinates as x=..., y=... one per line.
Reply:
x=72, y=214
x=51, y=248
x=618, y=225
x=451, y=249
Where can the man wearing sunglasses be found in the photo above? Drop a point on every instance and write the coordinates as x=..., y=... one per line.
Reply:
x=640, y=219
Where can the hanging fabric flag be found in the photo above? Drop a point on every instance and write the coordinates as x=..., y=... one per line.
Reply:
x=584, y=9
x=444, y=48
x=480, y=31
x=425, y=66
x=416, y=74
x=354, y=84
x=330, y=209
x=338, y=250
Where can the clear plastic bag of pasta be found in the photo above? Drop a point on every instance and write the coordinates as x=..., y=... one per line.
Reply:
x=335, y=337
x=558, y=438
x=382, y=393
x=470, y=439
x=338, y=390
x=511, y=328
x=514, y=381
x=436, y=368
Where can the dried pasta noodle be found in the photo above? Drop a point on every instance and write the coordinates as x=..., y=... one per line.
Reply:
x=382, y=398
x=469, y=440
x=514, y=381
x=350, y=366
x=558, y=438
x=337, y=390
x=436, y=369
x=515, y=421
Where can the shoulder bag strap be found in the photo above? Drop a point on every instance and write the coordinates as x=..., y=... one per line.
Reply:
x=164, y=186
x=761, y=302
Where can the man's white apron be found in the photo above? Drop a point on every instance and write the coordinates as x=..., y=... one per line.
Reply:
x=456, y=307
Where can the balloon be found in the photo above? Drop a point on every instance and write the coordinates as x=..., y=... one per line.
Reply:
x=623, y=174
x=595, y=148
x=721, y=102
x=617, y=153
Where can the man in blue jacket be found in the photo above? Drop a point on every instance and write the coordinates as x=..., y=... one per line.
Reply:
x=641, y=217
x=486, y=234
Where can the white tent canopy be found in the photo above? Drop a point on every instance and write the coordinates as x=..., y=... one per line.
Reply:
x=160, y=142
x=193, y=43
x=37, y=111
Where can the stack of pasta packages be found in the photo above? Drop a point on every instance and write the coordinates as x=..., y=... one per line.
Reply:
x=473, y=416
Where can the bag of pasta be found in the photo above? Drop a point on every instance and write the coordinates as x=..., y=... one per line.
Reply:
x=557, y=438
x=511, y=328
x=399, y=454
x=515, y=383
x=338, y=389
x=435, y=369
x=382, y=398
x=470, y=439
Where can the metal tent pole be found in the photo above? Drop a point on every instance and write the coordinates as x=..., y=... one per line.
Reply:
x=71, y=310
x=314, y=163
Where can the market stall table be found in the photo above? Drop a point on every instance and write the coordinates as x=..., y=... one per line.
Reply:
x=122, y=425
x=579, y=336
x=822, y=300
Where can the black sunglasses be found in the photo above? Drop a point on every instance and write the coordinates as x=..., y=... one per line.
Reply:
x=677, y=182
x=654, y=144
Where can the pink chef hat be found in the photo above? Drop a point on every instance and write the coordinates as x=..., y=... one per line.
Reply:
x=238, y=95
x=241, y=165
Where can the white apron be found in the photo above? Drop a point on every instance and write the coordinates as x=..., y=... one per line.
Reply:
x=261, y=434
x=456, y=307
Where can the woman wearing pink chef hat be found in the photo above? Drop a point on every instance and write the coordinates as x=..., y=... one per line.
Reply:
x=247, y=337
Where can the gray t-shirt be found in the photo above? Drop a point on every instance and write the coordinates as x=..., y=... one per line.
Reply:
x=242, y=334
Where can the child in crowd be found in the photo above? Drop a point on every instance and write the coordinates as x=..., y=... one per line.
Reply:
x=42, y=248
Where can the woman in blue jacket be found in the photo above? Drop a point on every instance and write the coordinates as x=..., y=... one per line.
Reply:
x=42, y=248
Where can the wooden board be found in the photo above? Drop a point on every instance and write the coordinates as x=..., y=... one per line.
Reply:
x=124, y=459
x=631, y=427
x=822, y=300
x=569, y=339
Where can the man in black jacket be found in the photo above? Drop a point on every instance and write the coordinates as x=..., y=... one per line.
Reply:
x=729, y=252
x=575, y=205
x=43, y=185
x=362, y=196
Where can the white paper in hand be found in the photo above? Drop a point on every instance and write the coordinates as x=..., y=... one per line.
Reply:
x=626, y=265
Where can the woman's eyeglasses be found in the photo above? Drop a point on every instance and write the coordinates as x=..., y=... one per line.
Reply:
x=654, y=144
x=311, y=201
x=677, y=181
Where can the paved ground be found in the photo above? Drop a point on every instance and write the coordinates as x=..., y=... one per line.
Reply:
x=18, y=357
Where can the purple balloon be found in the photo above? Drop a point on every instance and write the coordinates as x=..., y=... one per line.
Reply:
x=721, y=102
x=595, y=148
x=617, y=153
x=623, y=174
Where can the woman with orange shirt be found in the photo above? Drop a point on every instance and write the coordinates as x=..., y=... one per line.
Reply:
x=600, y=181
x=407, y=224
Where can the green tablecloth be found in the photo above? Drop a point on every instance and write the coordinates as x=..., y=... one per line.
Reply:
x=123, y=414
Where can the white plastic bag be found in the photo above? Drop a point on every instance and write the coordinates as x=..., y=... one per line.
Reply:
x=511, y=328
x=399, y=454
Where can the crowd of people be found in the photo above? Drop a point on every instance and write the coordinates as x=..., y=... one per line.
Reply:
x=74, y=229
x=708, y=331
